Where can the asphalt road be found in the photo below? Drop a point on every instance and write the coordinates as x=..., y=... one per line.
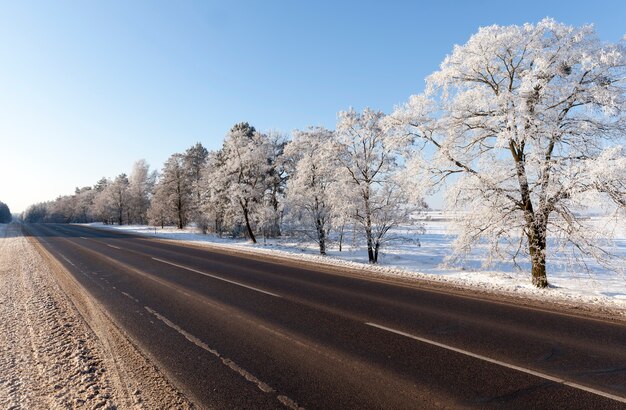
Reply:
x=243, y=332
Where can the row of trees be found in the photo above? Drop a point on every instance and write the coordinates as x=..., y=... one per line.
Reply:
x=5, y=213
x=120, y=200
x=523, y=126
x=263, y=184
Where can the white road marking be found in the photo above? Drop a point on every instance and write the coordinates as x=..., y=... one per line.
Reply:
x=66, y=260
x=113, y=246
x=264, y=387
x=503, y=364
x=217, y=277
x=130, y=297
x=82, y=237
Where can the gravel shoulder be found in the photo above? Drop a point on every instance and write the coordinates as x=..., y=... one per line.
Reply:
x=58, y=348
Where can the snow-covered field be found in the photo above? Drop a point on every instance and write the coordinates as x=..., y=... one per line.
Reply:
x=51, y=357
x=422, y=256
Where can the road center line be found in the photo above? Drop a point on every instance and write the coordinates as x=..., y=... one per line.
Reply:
x=503, y=364
x=264, y=387
x=217, y=277
x=114, y=247
x=131, y=297
x=67, y=260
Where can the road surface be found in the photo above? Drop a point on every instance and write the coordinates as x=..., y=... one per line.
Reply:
x=243, y=332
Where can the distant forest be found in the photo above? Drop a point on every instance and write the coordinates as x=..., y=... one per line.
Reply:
x=5, y=213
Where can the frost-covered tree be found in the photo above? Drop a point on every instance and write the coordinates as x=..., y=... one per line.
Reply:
x=173, y=192
x=368, y=155
x=237, y=177
x=119, y=198
x=195, y=161
x=275, y=182
x=36, y=213
x=82, y=204
x=529, y=121
x=101, y=184
x=213, y=200
x=311, y=162
x=159, y=213
x=140, y=186
x=61, y=210
x=102, y=207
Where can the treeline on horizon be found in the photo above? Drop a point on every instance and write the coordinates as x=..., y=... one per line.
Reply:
x=5, y=213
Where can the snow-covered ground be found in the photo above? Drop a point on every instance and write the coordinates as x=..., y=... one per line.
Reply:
x=422, y=255
x=51, y=357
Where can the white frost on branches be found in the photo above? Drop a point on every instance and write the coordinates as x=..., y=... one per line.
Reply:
x=527, y=123
x=311, y=196
x=370, y=158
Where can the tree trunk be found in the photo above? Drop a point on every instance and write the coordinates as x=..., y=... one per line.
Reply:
x=535, y=229
x=248, y=227
x=540, y=278
x=368, y=225
x=537, y=249
x=370, y=246
x=368, y=234
x=341, y=237
x=321, y=236
x=219, y=226
x=376, y=247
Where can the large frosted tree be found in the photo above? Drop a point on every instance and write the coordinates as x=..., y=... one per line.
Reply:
x=529, y=121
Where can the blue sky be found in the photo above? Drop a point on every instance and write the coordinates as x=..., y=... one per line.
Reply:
x=88, y=87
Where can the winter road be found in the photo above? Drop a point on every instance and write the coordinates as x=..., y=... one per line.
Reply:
x=243, y=332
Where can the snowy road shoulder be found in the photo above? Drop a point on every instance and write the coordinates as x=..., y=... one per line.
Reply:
x=49, y=359
x=50, y=355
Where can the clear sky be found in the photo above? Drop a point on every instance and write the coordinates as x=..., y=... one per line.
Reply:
x=88, y=87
